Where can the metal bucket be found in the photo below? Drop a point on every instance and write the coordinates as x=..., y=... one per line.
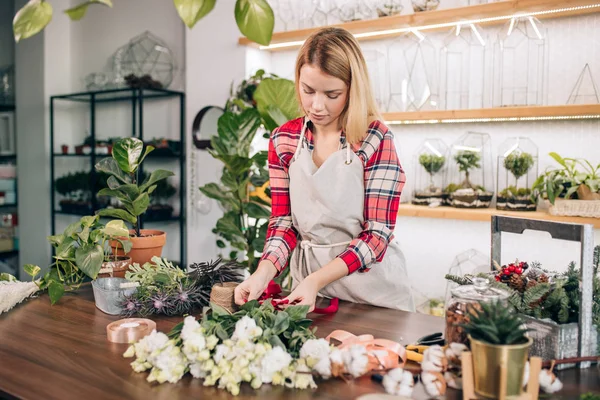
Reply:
x=108, y=294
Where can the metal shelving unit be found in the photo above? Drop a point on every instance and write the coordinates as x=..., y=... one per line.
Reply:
x=12, y=159
x=134, y=98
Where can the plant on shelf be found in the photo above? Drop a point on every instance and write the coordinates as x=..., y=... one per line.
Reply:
x=466, y=161
x=167, y=289
x=77, y=189
x=567, y=182
x=80, y=252
x=243, y=189
x=432, y=163
x=498, y=339
x=124, y=185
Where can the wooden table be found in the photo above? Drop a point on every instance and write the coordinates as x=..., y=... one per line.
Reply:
x=61, y=352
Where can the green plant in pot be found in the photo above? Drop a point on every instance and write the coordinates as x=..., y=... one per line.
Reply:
x=124, y=184
x=466, y=194
x=243, y=191
x=498, y=340
x=519, y=198
x=81, y=251
x=432, y=163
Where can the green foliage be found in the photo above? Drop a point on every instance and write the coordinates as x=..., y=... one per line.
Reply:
x=512, y=191
x=78, y=185
x=123, y=184
x=563, y=182
x=494, y=323
x=518, y=164
x=79, y=252
x=432, y=163
x=255, y=18
x=589, y=396
x=242, y=190
x=467, y=160
x=289, y=329
x=451, y=188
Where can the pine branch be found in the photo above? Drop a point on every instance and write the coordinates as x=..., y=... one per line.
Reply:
x=534, y=294
x=461, y=280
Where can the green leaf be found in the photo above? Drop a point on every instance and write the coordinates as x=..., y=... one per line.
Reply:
x=72, y=228
x=192, y=11
x=126, y=245
x=116, y=193
x=255, y=20
x=249, y=306
x=31, y=270
x=227, y=227
x=84, y=234
x=276, y=342
x=282, y=322
x=257, y=211
x=55, y=291
x=550, y=191
x=140, y=205
x=297, y=312
x=162, y=277
x=221, y=333
x=111, y=167
x=236, y=132
x=276, y=101
x=31, y=19
x=273, y=117
x=88, y=220
x=155, y=176
x=6, y=277
x=116, y=228
x=558, y=159
x=126, y=152
x=56, y=240
x=117, y=213
x=220, y=244
x=89, y=258
x=64, y=250
x=217, y=310
x=78, y=12
x=570, y=192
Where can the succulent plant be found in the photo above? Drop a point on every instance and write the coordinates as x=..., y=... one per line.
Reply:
x=497, y=324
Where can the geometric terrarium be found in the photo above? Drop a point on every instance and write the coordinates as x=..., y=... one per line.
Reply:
x=429, y=166
x=517, y=170
x=470, y=170
x=520, y=63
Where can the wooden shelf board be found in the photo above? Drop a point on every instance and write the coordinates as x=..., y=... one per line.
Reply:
x=518, y=113
x=484, y=214
x=426, y=20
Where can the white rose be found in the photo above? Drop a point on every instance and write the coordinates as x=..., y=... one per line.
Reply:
x=274, y=360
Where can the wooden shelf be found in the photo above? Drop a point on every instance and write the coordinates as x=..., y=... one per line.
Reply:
x=431, y=20
x=484, y=214
x=499, y=114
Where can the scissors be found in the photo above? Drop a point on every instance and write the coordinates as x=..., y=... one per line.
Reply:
x=415, y=351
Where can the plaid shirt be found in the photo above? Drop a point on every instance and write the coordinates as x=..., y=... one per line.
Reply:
x=384, y=179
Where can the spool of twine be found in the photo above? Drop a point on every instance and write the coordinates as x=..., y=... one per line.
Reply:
x=222, y=294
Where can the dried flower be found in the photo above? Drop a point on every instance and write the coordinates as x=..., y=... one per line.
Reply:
x=399, y=382
x=549, y=382
x=434, y=383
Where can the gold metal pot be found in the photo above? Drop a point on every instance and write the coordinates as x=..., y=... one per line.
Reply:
x=487, y=362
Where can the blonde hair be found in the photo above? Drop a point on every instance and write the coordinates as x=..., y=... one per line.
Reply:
x=337, y=53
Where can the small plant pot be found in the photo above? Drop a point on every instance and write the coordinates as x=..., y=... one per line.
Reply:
x=118, y=267
x=108, y=294
x=459, y=199
x=488, y=360
x=65, y=149
x=515, y=203
x=149, y=245
x=425, y=198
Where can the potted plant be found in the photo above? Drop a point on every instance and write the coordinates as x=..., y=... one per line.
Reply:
x=512, y=197
x=77, y=191
x=81, y=251
x=124, y=185
x=498, y=340
x=568, y=190
x=429, y=168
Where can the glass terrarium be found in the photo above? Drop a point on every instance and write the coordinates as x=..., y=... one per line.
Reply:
x=469, y=174
x=413, y=80
x=520, y=63
x=429, y=166
x=462, y=60
x=517, y=170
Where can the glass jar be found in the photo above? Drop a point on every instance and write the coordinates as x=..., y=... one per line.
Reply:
x=464, y=300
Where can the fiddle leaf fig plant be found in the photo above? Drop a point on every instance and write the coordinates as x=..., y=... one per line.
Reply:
x=123, y=183
x=254, y=18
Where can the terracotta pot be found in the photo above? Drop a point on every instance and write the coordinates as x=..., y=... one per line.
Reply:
x=143, y=248
x=119, y=266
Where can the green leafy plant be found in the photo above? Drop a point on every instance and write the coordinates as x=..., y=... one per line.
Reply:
x=254, y=18
x=564, y=182
x=432, y=164
x=79, y=252
x=518, y=164
x=466, y=161
x=166, y=289
x=494, y=323
x=123, y=184
x=288, y=329
x=512, y=191
x=243, y=189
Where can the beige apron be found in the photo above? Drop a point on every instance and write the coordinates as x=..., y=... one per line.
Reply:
x=327, y=206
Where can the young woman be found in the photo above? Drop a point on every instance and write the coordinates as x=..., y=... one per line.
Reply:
x=335, y=187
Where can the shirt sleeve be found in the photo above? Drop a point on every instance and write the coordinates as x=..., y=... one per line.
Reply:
x=281, y=234
x=384, y=180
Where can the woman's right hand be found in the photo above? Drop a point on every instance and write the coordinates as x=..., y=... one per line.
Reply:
x=253, y=287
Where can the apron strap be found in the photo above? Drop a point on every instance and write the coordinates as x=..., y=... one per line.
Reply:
x=301, y=141
x=306, y=245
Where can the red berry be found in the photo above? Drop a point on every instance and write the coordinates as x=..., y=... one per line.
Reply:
x=511, y=268
x=497, y=278
x=519, y=270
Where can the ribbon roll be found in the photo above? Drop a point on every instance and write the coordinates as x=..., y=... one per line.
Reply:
x=129, y=330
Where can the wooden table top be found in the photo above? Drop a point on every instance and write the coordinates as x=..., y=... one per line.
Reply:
x=61, y=352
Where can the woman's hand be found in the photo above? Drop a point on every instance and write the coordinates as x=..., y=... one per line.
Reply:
x=305, y=293
x=253, y=287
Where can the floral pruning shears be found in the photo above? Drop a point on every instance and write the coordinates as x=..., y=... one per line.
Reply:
x=414, y=352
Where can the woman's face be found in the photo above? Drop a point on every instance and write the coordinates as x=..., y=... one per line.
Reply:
x=323, y=96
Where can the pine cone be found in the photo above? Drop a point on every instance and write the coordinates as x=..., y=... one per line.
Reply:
x=516, y=282
x=530, y=283
x=543, y=278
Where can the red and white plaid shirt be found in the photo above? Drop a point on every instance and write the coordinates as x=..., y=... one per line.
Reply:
x=384, y=180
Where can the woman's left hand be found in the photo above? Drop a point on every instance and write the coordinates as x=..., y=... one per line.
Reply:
x=305, y=293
